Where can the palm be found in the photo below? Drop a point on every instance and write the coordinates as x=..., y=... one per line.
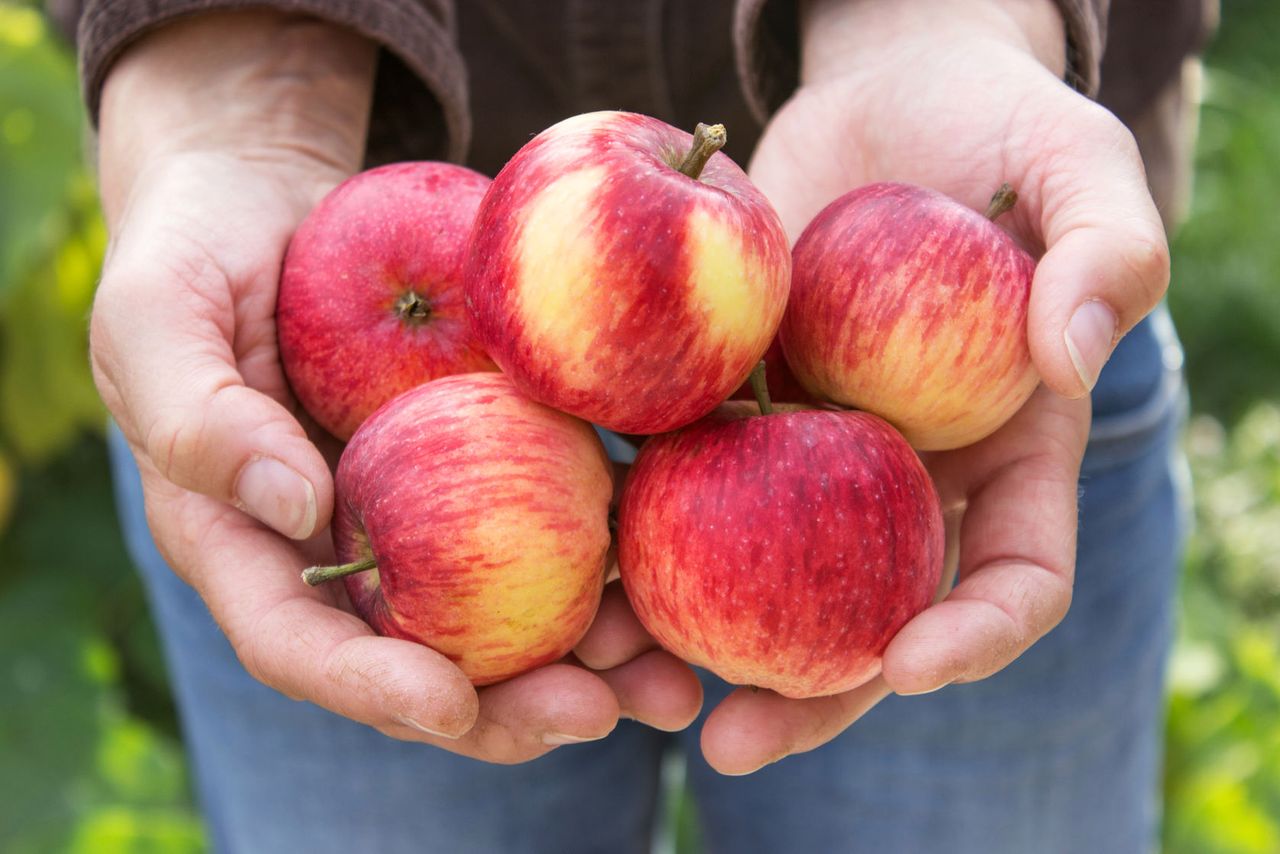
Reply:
x=858, y=128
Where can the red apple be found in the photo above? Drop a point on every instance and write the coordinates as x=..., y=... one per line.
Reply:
x=910, y=305
x=371, y=295
x=611, y=285
x=782, y=551
x=475, y=521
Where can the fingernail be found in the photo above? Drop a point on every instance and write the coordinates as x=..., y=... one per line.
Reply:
x=276, y=495
x=412, y=724
x=557, y=738
x=925, y=691
x=1089, y=336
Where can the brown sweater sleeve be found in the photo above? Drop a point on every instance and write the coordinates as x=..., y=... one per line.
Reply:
x=420, y=100
x=767, y=47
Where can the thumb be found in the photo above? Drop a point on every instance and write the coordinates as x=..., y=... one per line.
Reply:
x=1107, y=263
x=165, y=363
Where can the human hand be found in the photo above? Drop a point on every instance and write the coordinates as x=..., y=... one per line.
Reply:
x=218, y=135
x=962, y=98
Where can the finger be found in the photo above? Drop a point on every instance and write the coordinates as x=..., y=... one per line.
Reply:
x=656, y=689
x=531, y=714
x=291, y=637
x=1017, y=554
x=163, y=357
x=751, y=729
x=1107, y=259
x=616, y=635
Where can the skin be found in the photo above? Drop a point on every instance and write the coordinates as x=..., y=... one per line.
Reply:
x=961, y=97
x=217, y=135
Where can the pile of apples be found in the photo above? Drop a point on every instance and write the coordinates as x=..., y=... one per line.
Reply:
x=464, y=335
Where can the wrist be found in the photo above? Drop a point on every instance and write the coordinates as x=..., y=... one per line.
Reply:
x=838, y=35
x=248, y=83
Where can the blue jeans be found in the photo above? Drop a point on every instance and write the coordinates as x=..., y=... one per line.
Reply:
x=1060, y=752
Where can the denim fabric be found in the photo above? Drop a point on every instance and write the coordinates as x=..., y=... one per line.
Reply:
x=1060, y=752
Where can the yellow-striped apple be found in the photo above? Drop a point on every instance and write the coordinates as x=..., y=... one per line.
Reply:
x=476, y=521
x=910, y=305
x=371, y=294
x=626, y=272
x=782, y=551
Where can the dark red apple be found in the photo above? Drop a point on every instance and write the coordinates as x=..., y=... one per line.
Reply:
x=371, y=296
x=475, y=521
x=782, y=551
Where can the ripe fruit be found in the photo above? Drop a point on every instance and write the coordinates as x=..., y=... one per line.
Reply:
x=782, y=551
x=476, y=522
x=611, y=285
x=907, y=304
x=371, y=300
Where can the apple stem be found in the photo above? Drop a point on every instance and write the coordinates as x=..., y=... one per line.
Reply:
x=761, y=388
x=1002, y=202
x=707, y=140
x=315, y=575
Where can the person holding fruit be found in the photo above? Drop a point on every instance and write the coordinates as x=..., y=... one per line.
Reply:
x=221, y=126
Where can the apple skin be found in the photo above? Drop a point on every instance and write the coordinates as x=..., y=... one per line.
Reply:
x=910, y=305
x=350, y=338
x=780, y=551
x=488, y=516
x=611, y=286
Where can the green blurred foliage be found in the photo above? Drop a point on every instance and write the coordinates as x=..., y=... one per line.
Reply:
x=91, y=760
x=1225, y=295
x=88, y=748
x=1222, y=780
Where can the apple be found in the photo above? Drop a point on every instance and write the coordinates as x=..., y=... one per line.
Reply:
x=910, y=305
x=626, y=272
x=781, y=551
x=371, y=294
x=475, y=521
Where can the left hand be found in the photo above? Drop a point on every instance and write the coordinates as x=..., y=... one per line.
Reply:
x=961, y=98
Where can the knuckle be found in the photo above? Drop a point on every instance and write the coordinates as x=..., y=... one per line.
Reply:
x=1147, y=259
x=172, y=439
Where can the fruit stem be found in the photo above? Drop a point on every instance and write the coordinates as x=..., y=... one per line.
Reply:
x=761, y=389
x=315, y=575
x=1002, y=202
x=707, y=140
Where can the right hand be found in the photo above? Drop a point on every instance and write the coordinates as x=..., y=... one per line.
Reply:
x=217, y=136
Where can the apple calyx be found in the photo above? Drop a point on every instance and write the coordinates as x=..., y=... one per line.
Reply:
x=1001, y=202
x=761, y=388
x=707, y=140
x=412, y=308
x=317, y=575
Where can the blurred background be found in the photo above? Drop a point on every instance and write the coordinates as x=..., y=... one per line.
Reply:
x=90, y=759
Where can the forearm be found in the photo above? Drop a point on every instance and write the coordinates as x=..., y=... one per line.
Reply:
x=254, y=83
x=836, y=35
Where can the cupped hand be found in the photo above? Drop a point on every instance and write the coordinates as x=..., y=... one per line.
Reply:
x=963, y=98
x=218, y=134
